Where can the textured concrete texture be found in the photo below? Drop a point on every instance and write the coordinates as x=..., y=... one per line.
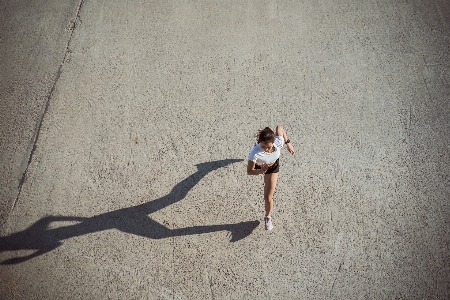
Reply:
x=125, y=127
x=33, y=39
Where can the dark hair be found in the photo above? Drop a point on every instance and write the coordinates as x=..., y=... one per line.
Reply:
x=265, y=135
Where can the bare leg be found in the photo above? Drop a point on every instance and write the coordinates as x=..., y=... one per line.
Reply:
x=270, y=182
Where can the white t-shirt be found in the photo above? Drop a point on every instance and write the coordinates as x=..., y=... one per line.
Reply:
x=259, y=156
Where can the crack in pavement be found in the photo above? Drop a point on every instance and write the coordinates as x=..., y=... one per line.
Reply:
x=73, y=24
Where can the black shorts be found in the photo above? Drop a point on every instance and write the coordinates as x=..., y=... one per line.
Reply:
x=275, y=168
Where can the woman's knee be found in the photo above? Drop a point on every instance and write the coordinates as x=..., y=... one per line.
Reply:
x=268, y=198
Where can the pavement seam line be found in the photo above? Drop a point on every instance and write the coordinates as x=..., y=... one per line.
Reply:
x=47, y=104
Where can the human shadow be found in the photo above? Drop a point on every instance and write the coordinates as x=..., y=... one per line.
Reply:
x=133, y=220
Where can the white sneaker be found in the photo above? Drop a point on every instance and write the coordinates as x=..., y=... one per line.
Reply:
x=268, y=223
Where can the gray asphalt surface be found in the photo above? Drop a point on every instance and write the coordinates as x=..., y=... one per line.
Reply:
x=125, y=128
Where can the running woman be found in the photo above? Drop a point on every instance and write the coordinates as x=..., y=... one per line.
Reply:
x=264, y=159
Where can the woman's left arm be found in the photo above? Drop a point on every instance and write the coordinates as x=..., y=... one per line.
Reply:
x=280, y=131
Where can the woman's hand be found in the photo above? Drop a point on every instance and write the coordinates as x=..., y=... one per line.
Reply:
x=264, y=168
x=290, y=148
x=252, y=171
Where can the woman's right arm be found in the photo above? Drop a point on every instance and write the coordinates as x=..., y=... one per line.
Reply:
x=252, y=171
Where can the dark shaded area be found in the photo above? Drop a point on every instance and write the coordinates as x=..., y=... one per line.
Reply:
x=133, y=220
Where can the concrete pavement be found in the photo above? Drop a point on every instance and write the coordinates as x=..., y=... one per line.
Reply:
x=125, y=131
